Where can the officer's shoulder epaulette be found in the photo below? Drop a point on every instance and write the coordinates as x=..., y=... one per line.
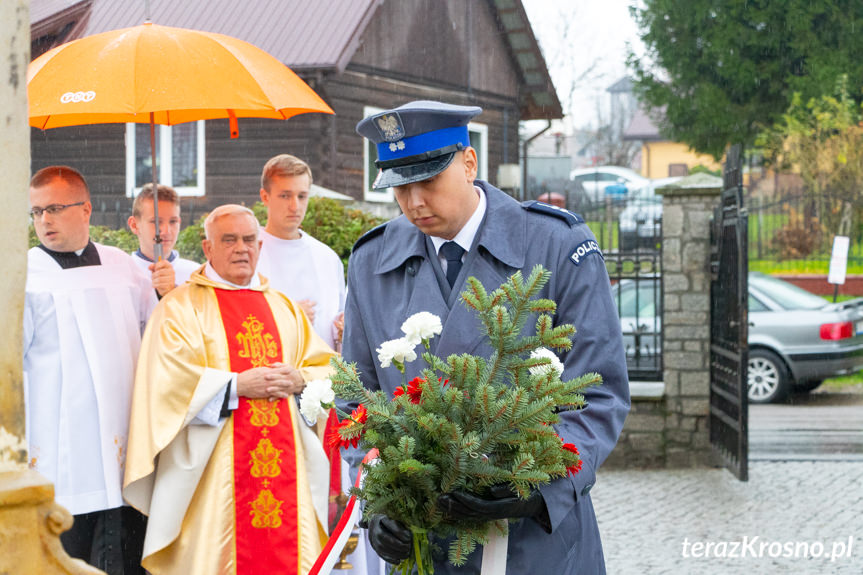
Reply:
x=549, y=210
x=372, y=233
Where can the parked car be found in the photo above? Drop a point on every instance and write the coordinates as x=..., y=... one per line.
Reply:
x=640, y=222
x=796, y=338
x=595, y=180
x=639, y=307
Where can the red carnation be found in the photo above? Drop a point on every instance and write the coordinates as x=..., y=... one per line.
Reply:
x=572, y=469
x=358, y=417
x=413, y=390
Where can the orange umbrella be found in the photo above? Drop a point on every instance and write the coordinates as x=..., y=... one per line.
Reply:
x=162, y=75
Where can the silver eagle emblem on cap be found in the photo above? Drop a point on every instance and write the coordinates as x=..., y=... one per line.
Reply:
x=390, y=127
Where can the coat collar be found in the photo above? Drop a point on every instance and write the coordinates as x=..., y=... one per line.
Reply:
x=502, y=233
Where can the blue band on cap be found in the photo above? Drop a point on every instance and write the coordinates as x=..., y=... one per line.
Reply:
x=421, y=143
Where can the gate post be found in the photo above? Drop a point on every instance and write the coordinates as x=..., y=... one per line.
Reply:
x=688, y=207
x=668, y=425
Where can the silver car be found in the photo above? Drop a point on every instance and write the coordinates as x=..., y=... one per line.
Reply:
x=796, y=338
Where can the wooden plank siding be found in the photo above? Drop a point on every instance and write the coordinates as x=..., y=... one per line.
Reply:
x=422, y=49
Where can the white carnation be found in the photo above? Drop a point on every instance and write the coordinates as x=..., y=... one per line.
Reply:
x=400, y=350
x=317, y=397
x=421, y=326
x=543, y=353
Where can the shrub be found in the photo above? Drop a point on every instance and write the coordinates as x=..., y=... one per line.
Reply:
x=797, y=240
x=189, y=241
x=337, y=226
x=327, y=220
x=123, y=239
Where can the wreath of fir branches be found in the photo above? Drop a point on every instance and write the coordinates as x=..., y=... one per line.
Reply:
x=468, y=422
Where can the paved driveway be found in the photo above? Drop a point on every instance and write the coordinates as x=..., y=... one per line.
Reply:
x=646, y=518
x=817, y=426
x=800, y=512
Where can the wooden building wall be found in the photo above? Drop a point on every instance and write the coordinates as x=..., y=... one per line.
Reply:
x=423, y=49
x=351, y=92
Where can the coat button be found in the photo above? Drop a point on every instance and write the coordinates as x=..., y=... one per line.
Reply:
x=586, y=489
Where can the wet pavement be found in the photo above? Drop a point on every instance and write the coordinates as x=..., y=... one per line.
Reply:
x=800, y=512
x=818, y=426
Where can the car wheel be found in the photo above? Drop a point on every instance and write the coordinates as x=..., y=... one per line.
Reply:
x=767, y=377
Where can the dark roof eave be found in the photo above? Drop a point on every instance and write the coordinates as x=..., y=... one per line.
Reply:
x=513, y=22
x=533, y=111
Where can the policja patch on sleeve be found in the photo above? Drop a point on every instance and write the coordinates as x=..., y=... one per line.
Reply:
x=584, y=249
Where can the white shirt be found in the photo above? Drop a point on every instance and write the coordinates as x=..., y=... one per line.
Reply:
x=466, y=234
x=306, y=268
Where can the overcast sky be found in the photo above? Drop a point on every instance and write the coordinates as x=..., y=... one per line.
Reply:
x=578, y=34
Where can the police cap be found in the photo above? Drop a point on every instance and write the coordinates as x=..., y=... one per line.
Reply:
x=416, y=141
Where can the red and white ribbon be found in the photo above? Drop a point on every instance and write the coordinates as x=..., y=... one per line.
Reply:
x=339, y=537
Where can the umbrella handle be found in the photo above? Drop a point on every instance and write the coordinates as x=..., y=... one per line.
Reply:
x=157, y=246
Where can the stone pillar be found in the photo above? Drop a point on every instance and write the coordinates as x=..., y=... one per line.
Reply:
x=687, y=208
x=667, y=425
x=30, y=521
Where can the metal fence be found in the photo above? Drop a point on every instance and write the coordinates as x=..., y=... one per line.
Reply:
x=794, y=230
x=629, y=231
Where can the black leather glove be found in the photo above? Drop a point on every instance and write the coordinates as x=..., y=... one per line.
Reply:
x=501, y=503
x=390, y=539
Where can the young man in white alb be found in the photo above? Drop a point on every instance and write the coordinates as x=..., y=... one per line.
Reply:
x=172, y=270
x=301, y=267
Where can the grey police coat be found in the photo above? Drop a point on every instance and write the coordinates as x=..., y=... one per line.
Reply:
x=392, y=276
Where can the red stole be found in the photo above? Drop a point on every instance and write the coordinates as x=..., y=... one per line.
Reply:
x=265, y=467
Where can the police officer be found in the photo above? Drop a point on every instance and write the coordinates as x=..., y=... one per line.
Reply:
x=454, y=226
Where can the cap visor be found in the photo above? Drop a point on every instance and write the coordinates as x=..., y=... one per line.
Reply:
x=411, y=173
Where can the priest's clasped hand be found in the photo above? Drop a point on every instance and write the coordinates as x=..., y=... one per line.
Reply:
x=273, y=382
x=500, y=503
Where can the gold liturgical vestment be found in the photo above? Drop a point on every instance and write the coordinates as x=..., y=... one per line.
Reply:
x=188, y=476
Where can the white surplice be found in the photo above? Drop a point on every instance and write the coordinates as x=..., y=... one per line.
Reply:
x=82, y=333
x=306, y=268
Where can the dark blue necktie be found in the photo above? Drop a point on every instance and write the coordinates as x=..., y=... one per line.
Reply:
x=452, y=252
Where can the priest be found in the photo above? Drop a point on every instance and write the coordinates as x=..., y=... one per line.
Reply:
x=232, y=478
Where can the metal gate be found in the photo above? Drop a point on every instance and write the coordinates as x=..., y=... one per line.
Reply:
x=629, y=232
x=729, y=354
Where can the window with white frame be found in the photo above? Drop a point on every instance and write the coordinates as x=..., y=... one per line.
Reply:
x=180, y=157
x=478, y=140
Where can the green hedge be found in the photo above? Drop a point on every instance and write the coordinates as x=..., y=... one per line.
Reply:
x=327, y=220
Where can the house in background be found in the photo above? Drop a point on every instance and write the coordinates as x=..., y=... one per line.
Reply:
x=360, y=56
x=660, y=157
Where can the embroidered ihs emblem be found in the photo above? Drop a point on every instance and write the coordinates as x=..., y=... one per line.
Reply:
x=259, y=347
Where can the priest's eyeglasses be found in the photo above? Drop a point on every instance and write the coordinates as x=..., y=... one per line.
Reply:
x=53, y=209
